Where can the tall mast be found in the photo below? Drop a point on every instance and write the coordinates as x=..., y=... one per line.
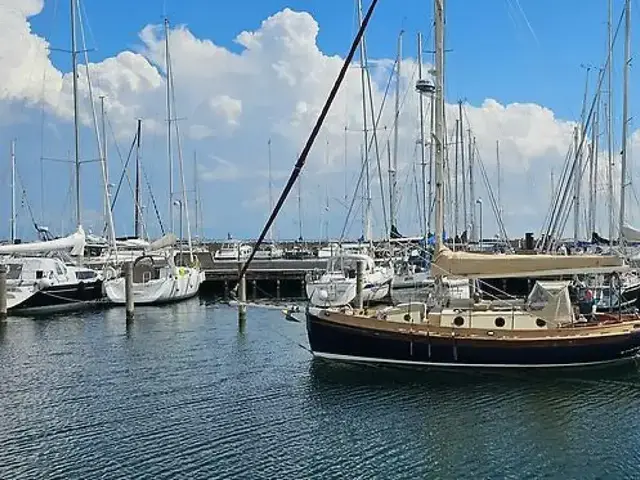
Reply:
x=432, y=118
x=439, y=119
x=76, y=115
x=463, y=174
x=593, y=169
x=270, y=188
x=196, y=194
x=169, y=121
x=394, y=169
x=609, y=109
x=456, y=206
x=300, y=207
x=423, y=163
x=367, y=195
x=137, y=207
x=107, y=205
x=625, y=113
x=13, y=191
x=499, y=180
x=576, y=185
x=472, y=193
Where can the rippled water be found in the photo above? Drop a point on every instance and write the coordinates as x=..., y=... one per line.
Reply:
x=183, y=393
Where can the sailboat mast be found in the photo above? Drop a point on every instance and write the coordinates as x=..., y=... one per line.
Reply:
x=472, y=193
x=270, y=187
x=76, y=115
x=367, y=196
x=465, y=217
x=609, y=108
x=439, y=119
x=456, y=205
x=13, y=191
x=137, y=222
x=499, y=180
x=196, y=195
x=169, y=121
x=625, y=113
x=593, y=169
x=423, y=163
x=393, y=186
x=576, y=185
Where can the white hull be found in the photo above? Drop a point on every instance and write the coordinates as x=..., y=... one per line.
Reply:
x=182, y=284
x=412, y=280
x=342, y=292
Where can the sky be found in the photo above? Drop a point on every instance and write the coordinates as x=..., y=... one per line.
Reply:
x=246, y=72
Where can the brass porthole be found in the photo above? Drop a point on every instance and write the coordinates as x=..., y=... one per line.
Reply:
x=540, y=322
x=500, y=322
x=458, y=321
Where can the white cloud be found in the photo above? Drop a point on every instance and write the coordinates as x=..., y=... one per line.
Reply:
x=230, y=103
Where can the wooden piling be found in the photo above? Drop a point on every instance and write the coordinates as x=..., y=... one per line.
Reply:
x=128, y=290
x=3, y=292
x=359, y=300
x=242, y=296
x=226, y=289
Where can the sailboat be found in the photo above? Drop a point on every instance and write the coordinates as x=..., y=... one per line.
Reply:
x=41, y=278
x=47, y=284
x=157, y=278
x=336, y=286
x=477, y=333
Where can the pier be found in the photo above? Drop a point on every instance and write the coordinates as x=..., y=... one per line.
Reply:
x=278, y=278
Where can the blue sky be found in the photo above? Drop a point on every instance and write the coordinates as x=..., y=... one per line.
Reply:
x=513, y=51
x=497, y=50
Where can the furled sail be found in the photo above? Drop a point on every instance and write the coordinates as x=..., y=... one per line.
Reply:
x=630, y=234
x=478, y=265
x=75, y=243
x=163, y=242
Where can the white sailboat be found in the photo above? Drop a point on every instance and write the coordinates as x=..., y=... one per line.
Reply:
x=156, y=277
x=336, y=286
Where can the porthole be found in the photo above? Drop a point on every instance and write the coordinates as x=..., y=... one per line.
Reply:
x=540, y=322
x=499, y=322
x=458, y=321
x=407, y=317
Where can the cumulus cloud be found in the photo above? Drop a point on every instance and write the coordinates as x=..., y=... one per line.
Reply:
x=230, y=103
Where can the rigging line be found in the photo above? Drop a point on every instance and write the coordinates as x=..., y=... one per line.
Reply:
x=124, y=170
x=363, y=165
x=25, y=200
x=526, y=21
x=314, y=133
x=153, y=199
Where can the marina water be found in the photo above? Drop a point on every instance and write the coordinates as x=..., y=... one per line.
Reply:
x=183, y=392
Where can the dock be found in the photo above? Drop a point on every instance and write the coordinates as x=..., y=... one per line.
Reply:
x=277, y=279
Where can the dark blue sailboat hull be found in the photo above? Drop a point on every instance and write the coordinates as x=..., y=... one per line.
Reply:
x=337, y=341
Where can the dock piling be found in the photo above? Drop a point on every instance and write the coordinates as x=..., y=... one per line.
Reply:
x=242, y=296
x=359, y=284
x=3, y=292
x=128, y=290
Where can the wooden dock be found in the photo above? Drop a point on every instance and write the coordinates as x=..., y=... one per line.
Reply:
x=275, y=279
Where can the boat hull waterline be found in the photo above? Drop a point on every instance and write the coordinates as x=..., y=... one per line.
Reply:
x=182, y=286
x=55, y=299
x=339, y=341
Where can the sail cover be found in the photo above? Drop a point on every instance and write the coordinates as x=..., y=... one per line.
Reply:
x=75, y=243
x=478, y=265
